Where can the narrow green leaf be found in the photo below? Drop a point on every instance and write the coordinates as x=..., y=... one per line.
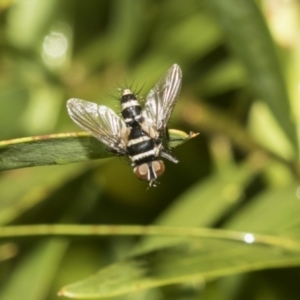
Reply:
x=52, y=149
x=31, y=18
x=32, y=189
x=33, y=276
x=178, y=137
x=205, y=202
x=225, y=76
x=272, y=211
x=191, y=260
x=63, y=148
x=250, y=39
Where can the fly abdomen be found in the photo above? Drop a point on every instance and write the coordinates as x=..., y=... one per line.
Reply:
x=131, y=108
x=140, y=147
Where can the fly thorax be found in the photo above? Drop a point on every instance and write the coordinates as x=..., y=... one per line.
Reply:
x=131, y=108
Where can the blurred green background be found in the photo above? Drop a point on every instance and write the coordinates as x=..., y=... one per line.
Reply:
x=240, y=91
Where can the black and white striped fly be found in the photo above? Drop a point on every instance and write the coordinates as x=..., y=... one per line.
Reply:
x=141, y=132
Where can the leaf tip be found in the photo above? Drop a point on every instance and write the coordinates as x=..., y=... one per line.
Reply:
x=65, y=293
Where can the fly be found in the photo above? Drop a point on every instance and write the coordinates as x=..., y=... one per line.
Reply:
x=140, y=133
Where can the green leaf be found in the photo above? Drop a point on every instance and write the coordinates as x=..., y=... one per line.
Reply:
x=204, y=203
x=52, y=149
x=191, y=260
x=63, y=148
x=32, y=19
x=178, y=137
x=34, y=186
x=251, y=41
x=33, y=276
x=272, y=211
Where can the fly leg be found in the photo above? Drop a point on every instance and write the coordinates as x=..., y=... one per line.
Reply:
x=168, y=156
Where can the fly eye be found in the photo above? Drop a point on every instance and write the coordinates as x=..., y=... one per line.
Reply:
x=158, y=167
x=141, y=172
x=149, y=171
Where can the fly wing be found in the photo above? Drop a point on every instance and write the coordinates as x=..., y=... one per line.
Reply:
x=161, y=100
x=101, y=122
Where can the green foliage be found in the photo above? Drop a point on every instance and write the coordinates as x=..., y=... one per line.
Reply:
x=59, y=149
x=91, y=229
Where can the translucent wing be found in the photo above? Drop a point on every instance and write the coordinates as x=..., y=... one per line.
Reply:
x=101, y=122
x=161, y=99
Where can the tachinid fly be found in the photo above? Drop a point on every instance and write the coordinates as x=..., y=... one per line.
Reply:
x=141, y=132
